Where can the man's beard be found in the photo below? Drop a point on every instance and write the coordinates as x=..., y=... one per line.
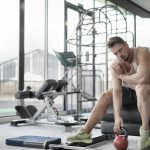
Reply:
x=125, y=59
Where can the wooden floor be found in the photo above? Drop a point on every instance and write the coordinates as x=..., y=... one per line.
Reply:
x=52, y=130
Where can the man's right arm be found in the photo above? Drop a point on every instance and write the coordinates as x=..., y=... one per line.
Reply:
x=117, y=101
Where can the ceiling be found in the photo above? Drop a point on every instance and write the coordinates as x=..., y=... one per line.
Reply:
x=137, y=7
x=143, y=3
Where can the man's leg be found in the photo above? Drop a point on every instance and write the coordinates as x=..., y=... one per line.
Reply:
x=143, y=103
x=105, y=100
x=96, y=115
x=98, y=111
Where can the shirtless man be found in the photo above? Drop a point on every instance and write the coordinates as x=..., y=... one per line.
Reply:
x=130, y=75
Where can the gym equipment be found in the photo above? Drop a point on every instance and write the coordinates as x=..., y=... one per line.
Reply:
x=90, y=36
x=27, y=93
x=121, y=140
x=130, y=115
x=48, y=91
x=70, y=61
x=26, y=112
x=33, y=141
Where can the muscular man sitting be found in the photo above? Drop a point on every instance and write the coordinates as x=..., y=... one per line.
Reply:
x=131, y=82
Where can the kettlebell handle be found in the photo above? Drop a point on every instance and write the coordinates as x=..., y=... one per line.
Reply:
x=124, y=131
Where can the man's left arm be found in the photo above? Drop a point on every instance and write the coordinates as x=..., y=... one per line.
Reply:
x=143, y=69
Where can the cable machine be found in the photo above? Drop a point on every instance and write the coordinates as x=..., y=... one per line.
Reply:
x=88, y=42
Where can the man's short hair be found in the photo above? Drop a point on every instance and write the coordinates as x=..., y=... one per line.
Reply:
x=114, y=40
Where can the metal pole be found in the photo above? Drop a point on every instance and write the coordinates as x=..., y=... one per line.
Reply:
x=134, y=40
x=107, y=79
x=46, y=42
x=79, y=68
x=21, y=47
x=93, y=66
x=65, y=48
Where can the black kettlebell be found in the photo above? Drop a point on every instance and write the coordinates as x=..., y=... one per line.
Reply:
x=121, y=140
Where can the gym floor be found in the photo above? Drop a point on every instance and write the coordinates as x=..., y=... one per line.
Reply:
x=52, y=130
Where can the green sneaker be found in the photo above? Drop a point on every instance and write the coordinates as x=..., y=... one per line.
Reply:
x=80, y=136
x=144, y=141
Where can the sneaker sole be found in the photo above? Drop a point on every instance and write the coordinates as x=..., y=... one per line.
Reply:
x=81, y=141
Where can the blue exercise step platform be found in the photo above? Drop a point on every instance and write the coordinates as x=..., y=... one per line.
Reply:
x=33, y=141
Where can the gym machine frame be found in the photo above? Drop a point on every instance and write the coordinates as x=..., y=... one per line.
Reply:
x=110, y=18
x=48, y=91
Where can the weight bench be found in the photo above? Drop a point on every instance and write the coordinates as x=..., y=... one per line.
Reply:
x=48, y=91
x=131, y=117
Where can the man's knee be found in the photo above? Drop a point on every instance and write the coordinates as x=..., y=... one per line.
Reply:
x=142, y=90
x=107, y=95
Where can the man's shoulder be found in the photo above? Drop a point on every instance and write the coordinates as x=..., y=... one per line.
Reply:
x=143, y=53
x=143, y=48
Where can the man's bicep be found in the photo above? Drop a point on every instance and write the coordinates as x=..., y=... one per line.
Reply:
x=144, y=63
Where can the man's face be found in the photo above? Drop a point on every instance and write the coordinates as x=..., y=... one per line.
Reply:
x=121, y=51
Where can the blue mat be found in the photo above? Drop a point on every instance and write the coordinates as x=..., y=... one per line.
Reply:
x=33, y=141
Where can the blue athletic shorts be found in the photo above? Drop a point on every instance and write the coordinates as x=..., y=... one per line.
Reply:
x=128, y=96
